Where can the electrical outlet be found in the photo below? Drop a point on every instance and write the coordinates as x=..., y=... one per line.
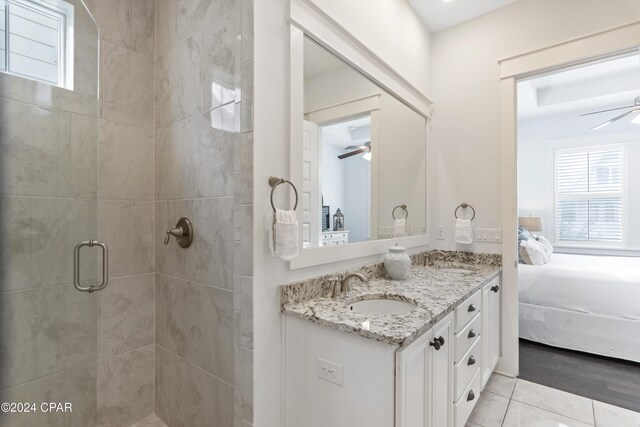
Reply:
x=329, y=371
x=440, y=232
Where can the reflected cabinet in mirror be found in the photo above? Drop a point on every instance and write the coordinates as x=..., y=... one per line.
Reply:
x=363, y=156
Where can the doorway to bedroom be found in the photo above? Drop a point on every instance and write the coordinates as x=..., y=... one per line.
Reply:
x=579, y=229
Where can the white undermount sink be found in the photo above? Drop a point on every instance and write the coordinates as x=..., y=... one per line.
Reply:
x=381, y=305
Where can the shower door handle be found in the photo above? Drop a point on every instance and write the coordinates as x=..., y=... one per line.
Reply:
x=105, y=266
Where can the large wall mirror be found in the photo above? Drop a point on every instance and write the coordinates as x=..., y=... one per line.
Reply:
x=363, y=156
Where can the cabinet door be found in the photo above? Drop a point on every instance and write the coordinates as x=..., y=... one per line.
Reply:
x=424, y=379
x=491, y=325
x=412, y=383
x=442, y=374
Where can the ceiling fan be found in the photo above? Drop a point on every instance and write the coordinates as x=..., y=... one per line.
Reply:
x=358, y=149
x=635, y=108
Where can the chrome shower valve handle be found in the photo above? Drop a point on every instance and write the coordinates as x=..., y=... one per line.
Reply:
x=177, y=232
x=183, y=232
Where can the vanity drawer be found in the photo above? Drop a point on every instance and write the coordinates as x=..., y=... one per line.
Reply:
x=468, y=337
x=465, y=404
x=468, y=310
x=466, y=368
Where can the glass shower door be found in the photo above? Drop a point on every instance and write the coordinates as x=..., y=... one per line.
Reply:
x=49, y=109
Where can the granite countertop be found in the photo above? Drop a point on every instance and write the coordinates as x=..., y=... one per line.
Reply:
x=435, y=291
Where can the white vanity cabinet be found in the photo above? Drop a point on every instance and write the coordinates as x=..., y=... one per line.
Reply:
x=467, y=366
x=336, y=379
x=424, y=372
x=339, y=379
x=491, y=303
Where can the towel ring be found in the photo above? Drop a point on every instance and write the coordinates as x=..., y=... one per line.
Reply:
x=274, y=182
x=464, y=206
x=404, y=208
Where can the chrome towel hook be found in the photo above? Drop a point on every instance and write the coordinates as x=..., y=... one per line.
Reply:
x=274, y=182
x=465, y=205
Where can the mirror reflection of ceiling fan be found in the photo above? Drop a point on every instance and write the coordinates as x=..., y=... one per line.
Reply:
x=635, y=108
x=358, y=149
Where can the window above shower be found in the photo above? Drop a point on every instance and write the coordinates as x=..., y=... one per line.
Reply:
x=36, y=40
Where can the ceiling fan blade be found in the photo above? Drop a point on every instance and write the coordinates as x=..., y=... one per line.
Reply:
x=353, y=153
x=604, y=111
x=353, y=147
x=615, y=119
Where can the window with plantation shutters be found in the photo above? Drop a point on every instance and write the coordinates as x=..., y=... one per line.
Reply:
x=589, y=201
x=36, y=40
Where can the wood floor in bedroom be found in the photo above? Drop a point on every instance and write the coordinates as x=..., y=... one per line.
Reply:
x=613, y=381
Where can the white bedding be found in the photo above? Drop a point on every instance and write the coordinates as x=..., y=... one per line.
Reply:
x=584, y=303
x=608, y=286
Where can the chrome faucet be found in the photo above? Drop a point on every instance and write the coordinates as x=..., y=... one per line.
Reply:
x=341, y=283
x=429, y=258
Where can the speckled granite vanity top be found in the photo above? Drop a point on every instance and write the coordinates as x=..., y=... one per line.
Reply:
x=436, y=291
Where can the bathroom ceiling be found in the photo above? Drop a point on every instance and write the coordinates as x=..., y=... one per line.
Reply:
x=596, y=86
x=438, y=15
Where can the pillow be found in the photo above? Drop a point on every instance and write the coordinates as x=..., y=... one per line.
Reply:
x=532, y=252
x=523, y=235
x=546, y=245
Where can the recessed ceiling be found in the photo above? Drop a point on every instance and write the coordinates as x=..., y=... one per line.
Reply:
x=596, y=86
x=349, y=132
x=438, y=15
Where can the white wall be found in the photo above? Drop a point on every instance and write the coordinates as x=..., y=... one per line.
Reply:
x=536, y=140
x=346, y=85
x=404, y=46
x=466, y=95
x=391, y=30
x=357, y=208
x=332, y=172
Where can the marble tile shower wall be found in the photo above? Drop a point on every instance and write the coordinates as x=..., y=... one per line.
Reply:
x=125, y=374
x=204, y=168
x=74, y=169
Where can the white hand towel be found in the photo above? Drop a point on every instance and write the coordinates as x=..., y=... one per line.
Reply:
x=464, y=233
x=400, y=227
x=284, y=235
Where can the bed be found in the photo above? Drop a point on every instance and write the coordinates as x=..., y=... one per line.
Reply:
x=584, y=303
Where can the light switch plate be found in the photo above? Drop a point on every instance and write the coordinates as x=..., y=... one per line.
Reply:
x=489, y=235
x=385, y=232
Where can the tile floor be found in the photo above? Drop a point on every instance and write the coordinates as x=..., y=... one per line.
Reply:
x=508, y=402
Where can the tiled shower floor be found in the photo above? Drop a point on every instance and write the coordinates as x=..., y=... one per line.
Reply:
x=150, y=421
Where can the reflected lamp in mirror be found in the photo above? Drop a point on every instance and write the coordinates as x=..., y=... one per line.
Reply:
x=338, y=221
x=531, y=223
